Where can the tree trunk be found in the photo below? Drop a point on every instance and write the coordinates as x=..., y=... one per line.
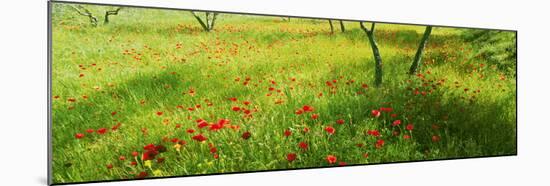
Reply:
x=331, y=26
x=342, y=28
x=375, y=52
x=418, y=57
x=85, y=12
x=203, y=25
x=213, y=21
x=109, y=13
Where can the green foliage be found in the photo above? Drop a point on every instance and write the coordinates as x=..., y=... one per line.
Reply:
x=496, y=47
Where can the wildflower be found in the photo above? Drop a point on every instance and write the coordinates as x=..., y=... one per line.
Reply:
x=246, y=135
x=199, y=138
x=340, y=121
x=409, y=127
x=303, y=145
x=147, y=163
x=314, y=116
x=396, y=122
x=436, y=138
x=101, y=131
x=291, y=157
x=141, y=175
x=375, y=113
x=287, y=133
x=379, y=143
x=331, y=159
x=79, y=135
x=330, y=130
x=157, y=172
x=307, y=108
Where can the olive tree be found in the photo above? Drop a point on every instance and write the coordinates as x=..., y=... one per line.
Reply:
x=209, y=19
x=375, y=52
x=418, y=56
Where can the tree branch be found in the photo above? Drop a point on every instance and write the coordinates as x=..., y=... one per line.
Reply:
x=111, y=12
x=85, y=12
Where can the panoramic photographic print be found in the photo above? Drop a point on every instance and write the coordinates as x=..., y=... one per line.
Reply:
x=139, y=93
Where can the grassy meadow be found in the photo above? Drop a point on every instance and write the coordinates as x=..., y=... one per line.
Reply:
x=150, y=94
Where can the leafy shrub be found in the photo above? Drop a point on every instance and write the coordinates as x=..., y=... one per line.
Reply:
x=496, y=47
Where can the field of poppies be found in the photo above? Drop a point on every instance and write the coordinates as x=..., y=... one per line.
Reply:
x=152, y=95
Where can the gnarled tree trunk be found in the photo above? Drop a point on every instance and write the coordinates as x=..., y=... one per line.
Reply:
x=331, y=26
x=85, y=12
x=109, y=13
x=418, y=56
x=208, y=23
x=375, y=52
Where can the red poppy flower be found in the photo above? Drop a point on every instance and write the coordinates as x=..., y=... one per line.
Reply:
x=340, y=121
x=216, y=156
x=246, y=102
x=236, y=109
x=114, y=128
x=330, y=129
x=291, y=157
x=379, y=143
x=110, y=166
x=366, y=155
x=79, y=135
x=135, y=153
x=101, y=131
x=90, y=130
x=406, y=136
x=331, y=159
x=233, y=99
x=299, y=111
x=306, y=130
x=149, y=155
x=287, y=133
x=213, y=150
x=122, y=158
x=393, y=115
x=113, y=113
x=133, y=163
x=71, y=100
x=160, y=160
x=328, y=83
x=199, y=137
x=396, y=122
x=436, y=138
x=303, y=145
x=159, y=113
x=190, y=131
x=307, y=108
x=410, y=127
x=246, y=135
x=374, y=133
x=202, y=124
x=141, y=175
x=314, y=116
x=342, y=163
x=175, y=140
x=375, y=113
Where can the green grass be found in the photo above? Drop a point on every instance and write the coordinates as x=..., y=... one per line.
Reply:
x=147, y=61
